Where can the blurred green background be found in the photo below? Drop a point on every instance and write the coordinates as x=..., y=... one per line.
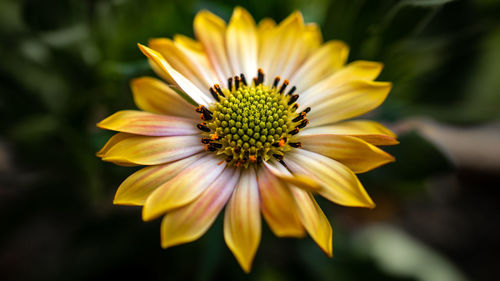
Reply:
x=66, y=64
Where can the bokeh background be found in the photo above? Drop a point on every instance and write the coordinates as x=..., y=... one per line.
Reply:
x=66, y=64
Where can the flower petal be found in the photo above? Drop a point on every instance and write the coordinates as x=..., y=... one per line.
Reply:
x=340, y=184
x=326, y=60
x=301, y=181
x=314, y=220
x=285, y=48
x=146, y=150
x=355, y=153
x=148, y=124
x=190, y=222
x=347, y=101
x=179, y=61
x=210, y=30
x=369, y=131
x=242, y=225
x=357, y=70
x=194, y=50
x=187, y=86
x=183, y=188
x=278, y=206
x=242, y=43
x=138, y=186
x=151, y=94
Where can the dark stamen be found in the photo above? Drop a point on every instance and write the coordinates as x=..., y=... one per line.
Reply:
x=230, y=83
x=256, y=81
x=292, y=90
x=237, y=82
x=283, y=86
x=279, y=157
x=214, y=94
x=293, y=99
x=303, y=124
x=205, y=140
x=276, y=81
x=229, y=158
x=216, y=145
x=219, y=90
x=294, y=131
x=299, y=117
x=260, y=76
x=307, y=110
x=295, y=144
x=294, y=107
x=203, y=127
x=243, y=79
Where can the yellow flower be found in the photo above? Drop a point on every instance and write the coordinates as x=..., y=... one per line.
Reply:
x=264, y=144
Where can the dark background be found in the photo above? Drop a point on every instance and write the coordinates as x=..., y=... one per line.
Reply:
x=65, y=65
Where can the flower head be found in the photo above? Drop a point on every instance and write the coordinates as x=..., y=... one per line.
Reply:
x=260, y=129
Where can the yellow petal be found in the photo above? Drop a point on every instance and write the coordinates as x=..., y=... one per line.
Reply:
x=355, y=153
x=138, y=186
x=301, y=181
x=369, y=131
x=322, y=63
x=190, y=222
x=210, y=30
x=187, y=86
x=242, y=226
x=179, y=61
x=146, y=150
x=339, y=184
x=183, y=188
x=151, y=94
x=355, y=71
x=148, y=124
x=194, y=50
x=278, y=206
x=313, y=36
x=242, y=43
x=314, y=220
x=116, y=138
x=347, y=101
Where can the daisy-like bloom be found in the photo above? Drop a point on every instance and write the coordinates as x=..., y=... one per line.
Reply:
x=252, y=117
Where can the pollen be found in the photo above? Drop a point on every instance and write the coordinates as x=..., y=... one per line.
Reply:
x=250, y=123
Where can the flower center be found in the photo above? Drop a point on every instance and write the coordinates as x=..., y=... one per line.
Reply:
x=251, y=123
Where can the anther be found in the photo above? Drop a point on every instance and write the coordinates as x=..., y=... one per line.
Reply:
x=256, y=81
x=252, y=158
x=279, y=157
x=229, y=158
x=219, y=90
x=216, y=145
x=214, y=94
x=203, y=127
x=292, y=90
x=282, y=141
x=276, y=81
x=294, y=107
x=230, y=83
x=203, y=109
x=303, y=124
x=299, y=117
x=307, y=110
x=205, y=140
x=215, y=136
x=294, y=131
x=295, y=144
x=243, y=79
x=260, y=76
x=237, y=82
x=293, y=98
x=283, y=86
